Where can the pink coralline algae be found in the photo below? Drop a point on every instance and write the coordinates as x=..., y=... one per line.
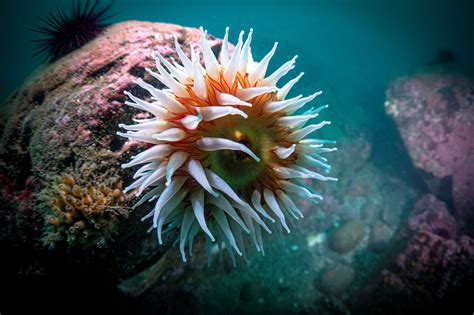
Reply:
x=436, y=260
x=432, y=215
x=434, y=113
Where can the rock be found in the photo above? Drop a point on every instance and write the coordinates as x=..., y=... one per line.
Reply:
x=463, y=190
x=434, y=113
x=369, y=212
x=337, y=280
x=380, y=236
x=435, y=262
x=431, y=215
x=391, y=215
x=347, y=237
x=58, y=138
x=435, y=265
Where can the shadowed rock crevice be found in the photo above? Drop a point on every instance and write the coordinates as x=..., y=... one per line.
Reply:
x=103, y=70
x=137, y=71
x=38, y=98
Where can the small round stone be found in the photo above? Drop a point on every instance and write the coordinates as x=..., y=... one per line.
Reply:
x=380, y=235
x=347, y=237
x=337, y=280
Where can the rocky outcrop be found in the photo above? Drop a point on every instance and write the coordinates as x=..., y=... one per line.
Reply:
x=434, y=113
x=436, y=262
x=61, y=180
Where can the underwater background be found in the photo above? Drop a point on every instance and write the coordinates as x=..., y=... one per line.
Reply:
x=349, y=49
x=339, y=256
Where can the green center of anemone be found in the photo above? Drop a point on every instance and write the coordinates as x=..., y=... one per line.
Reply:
x=237, y=168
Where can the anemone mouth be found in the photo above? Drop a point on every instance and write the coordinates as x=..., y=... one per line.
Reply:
x=227, y=147
x=258, y=133
x=237, y=168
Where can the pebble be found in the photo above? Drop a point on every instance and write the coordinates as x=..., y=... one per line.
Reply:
x=337, y=280
x=347, y=237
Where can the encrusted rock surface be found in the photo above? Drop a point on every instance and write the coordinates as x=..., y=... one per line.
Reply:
x=434, y=113
x=436, y=262
x=62, y=124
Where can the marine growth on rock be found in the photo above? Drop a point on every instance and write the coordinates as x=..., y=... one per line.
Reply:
x=227, y=149
x=82, y=215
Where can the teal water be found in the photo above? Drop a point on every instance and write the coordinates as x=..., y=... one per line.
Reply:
x=348, y=49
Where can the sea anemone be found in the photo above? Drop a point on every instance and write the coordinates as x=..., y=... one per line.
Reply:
x=227, y=153
x=64, y=32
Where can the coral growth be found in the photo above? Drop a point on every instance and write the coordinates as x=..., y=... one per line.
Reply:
x=82, y=214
